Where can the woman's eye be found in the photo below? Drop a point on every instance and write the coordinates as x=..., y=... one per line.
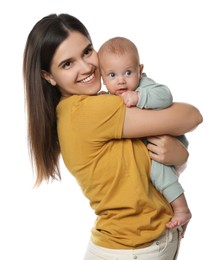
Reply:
x=88, y=51
x=67, y=65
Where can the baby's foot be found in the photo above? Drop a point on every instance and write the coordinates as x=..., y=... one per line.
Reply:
x=179, y=219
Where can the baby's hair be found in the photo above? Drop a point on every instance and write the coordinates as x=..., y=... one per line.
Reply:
x=118, y=46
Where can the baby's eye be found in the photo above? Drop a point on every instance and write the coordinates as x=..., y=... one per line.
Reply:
x=128, y=73
x=112, y=75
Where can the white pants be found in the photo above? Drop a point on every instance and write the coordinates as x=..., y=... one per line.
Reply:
x=164, y=248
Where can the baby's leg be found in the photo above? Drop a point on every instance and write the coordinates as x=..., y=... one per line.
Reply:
x=182, y=214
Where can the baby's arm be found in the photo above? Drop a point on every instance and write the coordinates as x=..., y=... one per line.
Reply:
x=153, y=95
x=149, y=95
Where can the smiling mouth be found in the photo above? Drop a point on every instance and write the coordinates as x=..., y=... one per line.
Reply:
x=88, y=78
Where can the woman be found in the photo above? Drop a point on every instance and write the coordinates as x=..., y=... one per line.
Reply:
x=97, y=137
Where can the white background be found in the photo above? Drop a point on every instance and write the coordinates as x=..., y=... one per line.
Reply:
x=180, y=43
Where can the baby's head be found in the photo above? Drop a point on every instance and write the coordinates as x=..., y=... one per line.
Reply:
x=120, y=65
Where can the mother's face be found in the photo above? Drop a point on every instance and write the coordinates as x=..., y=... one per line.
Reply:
x=75, y=67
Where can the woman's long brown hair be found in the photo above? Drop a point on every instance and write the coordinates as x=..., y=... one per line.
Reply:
x=41, y=97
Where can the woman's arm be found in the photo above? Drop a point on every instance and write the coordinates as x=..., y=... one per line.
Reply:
x=177, y=119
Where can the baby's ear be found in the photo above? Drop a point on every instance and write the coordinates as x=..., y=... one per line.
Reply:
x=141, y=66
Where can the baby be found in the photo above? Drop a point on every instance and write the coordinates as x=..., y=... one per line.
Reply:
x=122, y=75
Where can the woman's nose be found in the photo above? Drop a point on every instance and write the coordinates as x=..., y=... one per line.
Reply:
x=84, y=66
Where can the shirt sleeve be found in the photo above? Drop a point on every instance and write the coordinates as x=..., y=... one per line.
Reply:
x=102, y=115
x=153, y=95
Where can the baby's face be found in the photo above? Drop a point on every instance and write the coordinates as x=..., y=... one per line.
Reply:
x=120, y=73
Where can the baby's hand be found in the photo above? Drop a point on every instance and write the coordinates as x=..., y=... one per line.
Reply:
x=130, y=98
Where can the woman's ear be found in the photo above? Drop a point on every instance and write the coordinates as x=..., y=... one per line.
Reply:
x=48, y=77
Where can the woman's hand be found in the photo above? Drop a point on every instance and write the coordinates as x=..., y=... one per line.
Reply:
x=168, y=150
